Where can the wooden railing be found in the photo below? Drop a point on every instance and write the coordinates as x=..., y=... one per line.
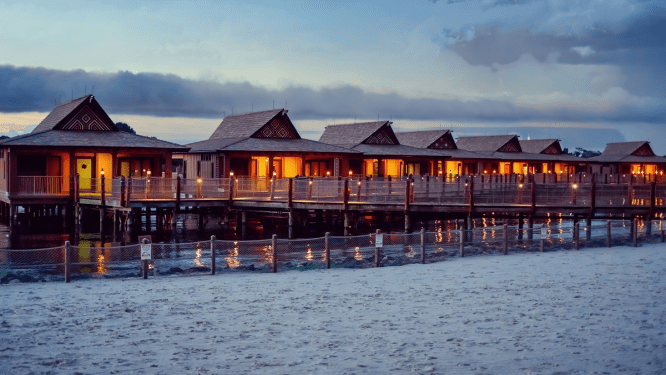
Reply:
x=583, y=191
x=42, y=186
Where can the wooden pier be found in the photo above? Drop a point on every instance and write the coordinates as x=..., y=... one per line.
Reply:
x=525, y=197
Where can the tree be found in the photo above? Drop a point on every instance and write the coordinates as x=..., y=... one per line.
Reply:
x=583, y=153
x=123, y=127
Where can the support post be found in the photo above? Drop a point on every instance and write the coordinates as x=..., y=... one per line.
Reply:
x=635, y=232
x=274, y=253
x=377, y=252
x=144, y=263
x=212, y=255
x=67, y=263
x=423, y=260
x=123, y=196
x=576, y=236
x=505, y=248
x=530, y=227
x=588, y=224
x=608, y=233
x=661, y=229
x=327, y=249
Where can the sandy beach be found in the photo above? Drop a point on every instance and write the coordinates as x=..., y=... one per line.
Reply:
x=595, y=311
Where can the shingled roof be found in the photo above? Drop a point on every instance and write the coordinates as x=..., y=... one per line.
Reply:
x=423, y=138
x=540, y=146
x=350, y=135
x=486, y=143
x=61, y=114
x=628, y=152
x=246, y=125
x=90, y=138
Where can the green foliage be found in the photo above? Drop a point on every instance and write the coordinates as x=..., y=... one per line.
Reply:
x=123, y=127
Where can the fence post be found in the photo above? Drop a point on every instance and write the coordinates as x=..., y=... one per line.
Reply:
x=144, y=263
x=462, y=241
x=67, y=263
x=635, y=226
x=576, y=236
x=377, y=251
x=423, y=245
x=608, y=233
x=506, y=239
x=212, y=255
x=327, y=249
x=274, y=251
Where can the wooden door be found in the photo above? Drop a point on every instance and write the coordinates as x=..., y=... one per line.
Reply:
x=84, y=170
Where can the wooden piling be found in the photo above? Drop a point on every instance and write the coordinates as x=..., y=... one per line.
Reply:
x=377, y=252
x=423, y=245
x=608, y=233
x=327, y=249
x=67, y=262
x=576, y=236
x=212, y=255
x=635, y=232
x=144, y=263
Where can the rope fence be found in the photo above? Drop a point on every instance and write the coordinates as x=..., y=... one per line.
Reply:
x=67, y=262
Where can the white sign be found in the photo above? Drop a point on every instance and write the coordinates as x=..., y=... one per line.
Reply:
x=544, y=232
x=379, y=240
x=146, y=251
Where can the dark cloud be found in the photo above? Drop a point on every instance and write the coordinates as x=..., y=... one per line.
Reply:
x=638, y=47
x=36, y=89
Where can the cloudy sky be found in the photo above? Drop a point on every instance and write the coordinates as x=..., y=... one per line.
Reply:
x=586, y=72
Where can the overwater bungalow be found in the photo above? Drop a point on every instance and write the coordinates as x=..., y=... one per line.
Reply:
x=510, y=158
x=383, y=154
x=262, y=144
x=441, y=140
x=76, y=138
x=636, y=158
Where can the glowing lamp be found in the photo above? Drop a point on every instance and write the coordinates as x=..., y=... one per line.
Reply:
x=575, y=186
x=485, y=172
x=148, y=173
x=520, y=186
x=231, y=174
x=102, y=172
x=199, y=180
x=350, y=172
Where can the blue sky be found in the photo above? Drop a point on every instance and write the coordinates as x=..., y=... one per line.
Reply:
x=587, y=72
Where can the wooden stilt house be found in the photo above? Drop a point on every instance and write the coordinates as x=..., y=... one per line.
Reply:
x=508, y=157
x=636, y=158
x=383, y=155
x=458, y=161
x=77, y=137
x=262, y=144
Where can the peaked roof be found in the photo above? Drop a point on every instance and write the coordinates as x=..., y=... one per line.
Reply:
x=349, y=135
x=246, y=125
x=624, y=152
x=538, y=146
x=423, y=138
x=485, y=143
x=64, y=112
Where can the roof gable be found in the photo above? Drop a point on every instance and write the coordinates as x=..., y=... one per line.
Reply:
x=278, y=127
x=541, y=146
x=644, y=150
x=623, y=149
x=351, y=134
x=441, y=139
x=382, y=136
x=80, y=114
x=254, y=124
